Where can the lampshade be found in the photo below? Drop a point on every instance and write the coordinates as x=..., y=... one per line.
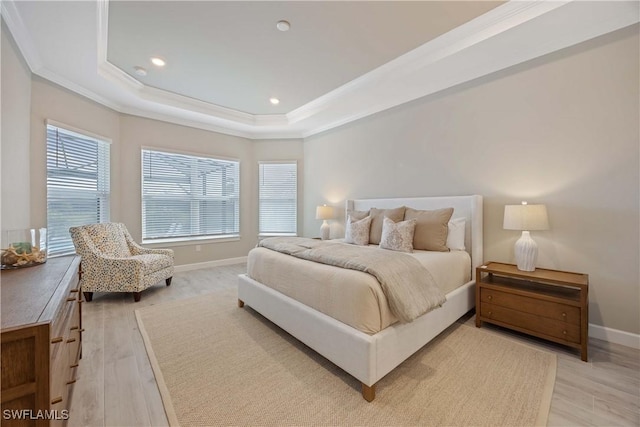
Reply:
x=324, y=212
x=525, y=217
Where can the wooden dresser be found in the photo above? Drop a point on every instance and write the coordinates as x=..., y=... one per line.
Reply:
x=548, y=304
x=41, y=341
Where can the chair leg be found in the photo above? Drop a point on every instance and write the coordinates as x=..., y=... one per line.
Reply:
x=88, y=296
x=136, y=296
x=169, y=281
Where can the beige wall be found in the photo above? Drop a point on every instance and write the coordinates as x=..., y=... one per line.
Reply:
x=15, y=91
x=137, y=132
x=52, y=102
x=129, y=134
x=27, y=102
x=560, y=130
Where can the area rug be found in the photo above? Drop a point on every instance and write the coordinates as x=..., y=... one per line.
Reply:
x=217, y=364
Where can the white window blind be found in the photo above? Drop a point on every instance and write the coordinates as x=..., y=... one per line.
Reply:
x=185, y=197
x=278, y=205
x=77, y=185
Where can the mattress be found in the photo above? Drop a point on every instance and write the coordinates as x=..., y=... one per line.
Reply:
x=352, y=297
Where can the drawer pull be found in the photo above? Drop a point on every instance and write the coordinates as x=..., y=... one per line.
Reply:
x=56, y=340
x=75, y=290
x=564, y=332
x=56, y=400
x=490, y=297
x=71, y=382
x=71, y=340
x=73, y=328
x=71, y=299
x=81, y=330
x=564, y=315
x=75, y=365
x=490, y=313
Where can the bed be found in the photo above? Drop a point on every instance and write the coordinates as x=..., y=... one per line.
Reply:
x=368, y=355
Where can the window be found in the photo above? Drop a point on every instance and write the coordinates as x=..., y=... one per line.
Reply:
x=278, y=205
x=188, y=197
x=77, y=185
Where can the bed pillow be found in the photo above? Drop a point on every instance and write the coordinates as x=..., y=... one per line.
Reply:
x=431, y=228
x=397, y=236
x=357, y=215
x=357, y=232
x=455, y=236
x=377, y=215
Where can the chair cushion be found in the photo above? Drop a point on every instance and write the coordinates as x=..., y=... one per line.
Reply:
x=109, y=239
x=154, y=262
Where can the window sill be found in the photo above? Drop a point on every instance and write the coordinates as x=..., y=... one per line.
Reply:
x=189, y=241
x=265, y=235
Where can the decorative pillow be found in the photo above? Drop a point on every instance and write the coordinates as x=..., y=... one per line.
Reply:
x=431, y=228
x=377, y=215
x=455, y=237
x=357, y=232
x=397, y=236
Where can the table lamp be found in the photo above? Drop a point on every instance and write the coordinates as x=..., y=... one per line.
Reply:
x=526, y=217
x=324, y=213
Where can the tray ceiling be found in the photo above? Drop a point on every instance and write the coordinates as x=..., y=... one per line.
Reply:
x=338, y=62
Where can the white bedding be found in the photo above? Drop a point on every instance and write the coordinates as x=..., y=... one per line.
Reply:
x=352, y=297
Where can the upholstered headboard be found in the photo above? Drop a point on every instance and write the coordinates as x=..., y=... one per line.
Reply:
x=467, y=207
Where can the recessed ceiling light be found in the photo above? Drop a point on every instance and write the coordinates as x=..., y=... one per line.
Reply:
x=158, y=62
x=274, y=101
x=283, y=25
x=141, y=71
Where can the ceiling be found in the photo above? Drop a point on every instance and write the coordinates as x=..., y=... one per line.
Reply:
x=339, y=61
x=231, y=53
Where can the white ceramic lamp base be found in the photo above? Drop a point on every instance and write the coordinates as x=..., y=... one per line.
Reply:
x=325, y=230
x=526, y=251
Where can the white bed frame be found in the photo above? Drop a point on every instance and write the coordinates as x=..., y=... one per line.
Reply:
x=370, y=357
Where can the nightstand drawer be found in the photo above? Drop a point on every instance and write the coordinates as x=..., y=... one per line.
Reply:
x=549, y=304
x=548, y=309
x=530, y=322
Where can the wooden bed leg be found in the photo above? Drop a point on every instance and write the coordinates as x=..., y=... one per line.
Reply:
x=240, y=303
x=368, y=392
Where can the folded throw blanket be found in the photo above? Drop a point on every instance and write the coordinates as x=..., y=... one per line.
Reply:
x=409, y=287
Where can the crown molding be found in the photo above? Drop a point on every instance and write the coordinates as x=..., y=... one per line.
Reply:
x=472, y=33
x=488, y=44
x=510, y=34
x=21, y=35
x=47, y=74
x=185, y=118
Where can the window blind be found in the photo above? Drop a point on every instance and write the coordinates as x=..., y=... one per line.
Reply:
x=77, y=185
x=278, y=204
x=185, y=196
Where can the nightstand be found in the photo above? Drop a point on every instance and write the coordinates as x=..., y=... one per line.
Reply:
x=548, y=304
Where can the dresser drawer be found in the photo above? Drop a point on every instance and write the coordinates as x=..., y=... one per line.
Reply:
x=64, y=349
x=41, y=330
x=75, y=333
x=530, y=322
x=551, y=310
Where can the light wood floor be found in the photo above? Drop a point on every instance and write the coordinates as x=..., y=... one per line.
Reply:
x=116, y=386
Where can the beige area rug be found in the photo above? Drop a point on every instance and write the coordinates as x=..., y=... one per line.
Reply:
x=217, y=364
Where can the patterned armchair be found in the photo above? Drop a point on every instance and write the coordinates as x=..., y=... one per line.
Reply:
x=113, y=262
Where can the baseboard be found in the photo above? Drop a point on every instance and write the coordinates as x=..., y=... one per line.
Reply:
x=208, y=264
x=615, y=336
